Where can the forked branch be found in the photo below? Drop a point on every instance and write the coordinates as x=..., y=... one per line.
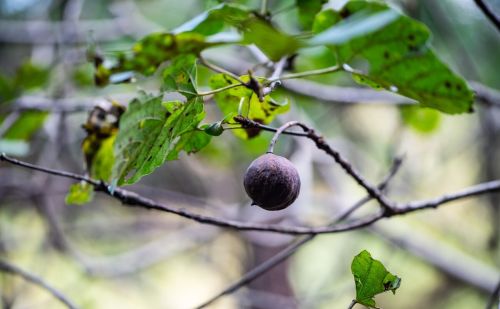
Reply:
x=12, y=269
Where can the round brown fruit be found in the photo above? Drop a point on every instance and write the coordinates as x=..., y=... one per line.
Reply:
x=272, y=182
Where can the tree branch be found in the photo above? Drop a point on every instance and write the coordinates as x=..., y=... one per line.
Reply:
x=327, y=70
x=485, y=187
x=9, y=268
x=352, y=304
x=348, y=95
x=135, y=200
x=495, y=297
x=488, y=13
x=218, y=69
x=321, y=144
x=297, y=243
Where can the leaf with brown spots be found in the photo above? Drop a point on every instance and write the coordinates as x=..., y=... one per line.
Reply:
x=152, y=132
x=244, y=100
x=397, y=52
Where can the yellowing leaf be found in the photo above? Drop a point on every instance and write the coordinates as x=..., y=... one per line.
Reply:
x=97, y=147
x=244, y=100
x=79, y=194
x=149, y=53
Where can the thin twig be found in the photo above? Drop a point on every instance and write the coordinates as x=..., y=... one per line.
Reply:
x=8, y=122
x=296, y=244
x=279, y=131
x=218, y=69
x=9, y=268
x=263, y=7
x=353, y=303
x=488, y=13
x=135, y=200
x=321, y=144
x=491, y=186
x=278, y=70
x=214, y=91
x=332, y=69
x=269, y=129
x=495, y=297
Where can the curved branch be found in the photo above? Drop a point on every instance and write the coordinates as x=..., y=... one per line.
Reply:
x=485, y=187
x=280, y=131
x=296, y=244
x=323, y=145
x=132, y=199
x=495, y=297
x=9, y=268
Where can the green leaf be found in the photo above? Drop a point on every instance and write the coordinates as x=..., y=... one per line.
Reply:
x=274, y=43
x=148, y=54
x=371, y=278
x=190, y=142
x=307, y=10
x=82, y=75
x=324, y=20
x=181, y=76
x=243, y=100
x=214, y=20
x=30, y=76
x=396, y=48
x=7, y=89
x=151, y=132
x=423, y=120
x=79, y=194
x=363, y=80
x=357, y=25
x=103, y=161
x=27, y=124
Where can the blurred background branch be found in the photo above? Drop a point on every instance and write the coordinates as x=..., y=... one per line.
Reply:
x=448, y=256
x=14, y=270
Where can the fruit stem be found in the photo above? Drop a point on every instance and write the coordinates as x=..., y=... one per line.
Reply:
x=281, y=130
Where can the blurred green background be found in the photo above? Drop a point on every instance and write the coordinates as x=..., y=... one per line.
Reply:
x=103, y=255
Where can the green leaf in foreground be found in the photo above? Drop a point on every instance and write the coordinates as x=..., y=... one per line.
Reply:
x=243, y=100
x=151, y=132
x=371, y=278
x=396, y=48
